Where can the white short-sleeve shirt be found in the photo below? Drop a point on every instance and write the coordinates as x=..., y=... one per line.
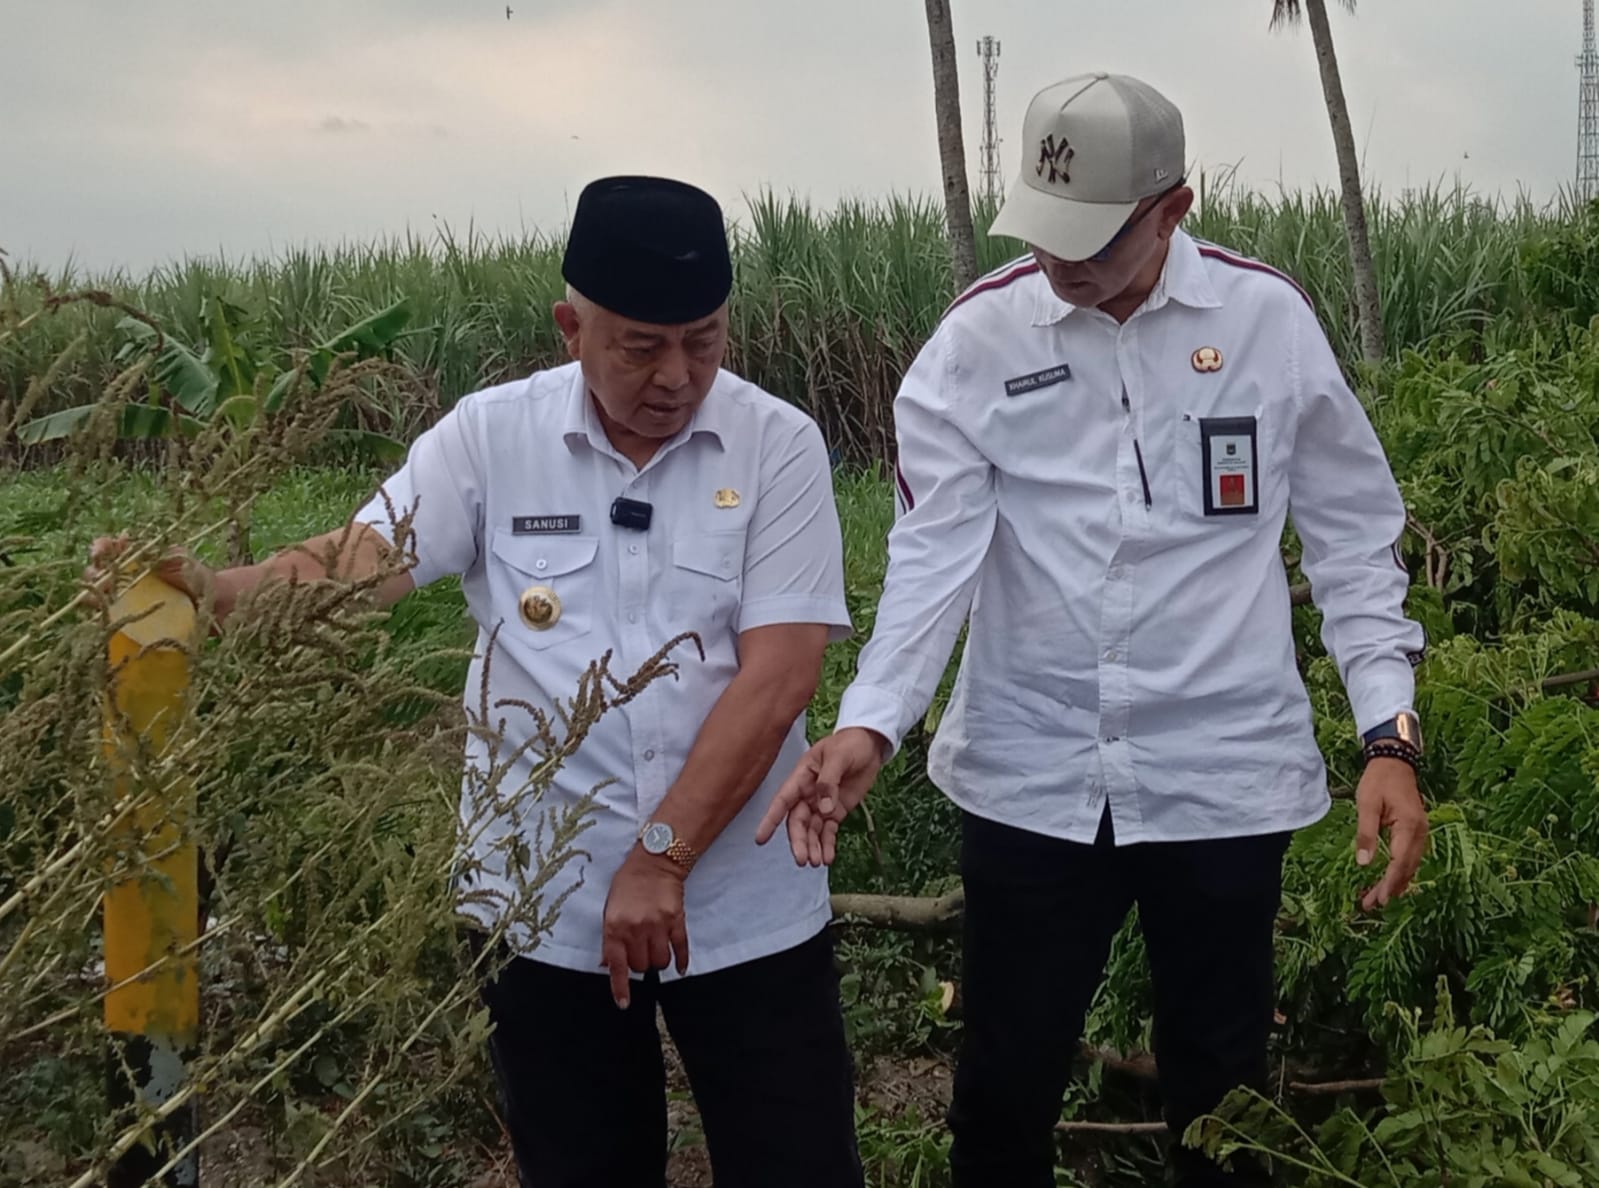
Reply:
x=514, y=488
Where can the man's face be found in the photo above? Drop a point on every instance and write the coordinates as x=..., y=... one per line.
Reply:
x=648, y=379
x=1090, y=283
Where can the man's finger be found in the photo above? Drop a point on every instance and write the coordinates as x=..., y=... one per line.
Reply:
x=1367, y=822
x=616, y=960
x=830, y=776
x=107, y=548
x=829, y=841
x=793, y=792
x=801, y=824
x=680, y=943
x=1406, y=843
x=813, y=839
x=660, y=945
x=782, y=805
x=638, y=953
x=796, y=832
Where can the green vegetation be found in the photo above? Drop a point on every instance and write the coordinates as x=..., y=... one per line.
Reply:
x=830, y=306
x=1464, y=1013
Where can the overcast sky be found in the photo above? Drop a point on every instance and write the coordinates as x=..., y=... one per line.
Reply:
x=134, y=132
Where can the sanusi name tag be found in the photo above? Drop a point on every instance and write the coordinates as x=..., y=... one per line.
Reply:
x=1231, y=464
x=1050, y=376
x=534, y=525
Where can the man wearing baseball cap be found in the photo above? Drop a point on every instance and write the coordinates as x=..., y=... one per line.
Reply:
x=1098, y=451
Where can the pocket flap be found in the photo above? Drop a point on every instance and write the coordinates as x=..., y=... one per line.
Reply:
x=545, y=556
x=716, y=554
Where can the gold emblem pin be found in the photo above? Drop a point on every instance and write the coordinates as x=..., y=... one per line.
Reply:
x=726, y=497
x=540, y=607
x=1207, y=359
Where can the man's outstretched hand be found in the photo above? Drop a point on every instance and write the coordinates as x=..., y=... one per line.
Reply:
x=829, y=781
x=178, y=568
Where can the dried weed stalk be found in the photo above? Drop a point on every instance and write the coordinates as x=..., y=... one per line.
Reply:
x=340, y=1010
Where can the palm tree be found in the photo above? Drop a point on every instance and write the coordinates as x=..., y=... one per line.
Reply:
x=1368, y=306
x=951, y=145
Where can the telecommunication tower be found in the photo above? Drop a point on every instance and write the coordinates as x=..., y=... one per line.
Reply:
x=993, y=183
x=1588, y=112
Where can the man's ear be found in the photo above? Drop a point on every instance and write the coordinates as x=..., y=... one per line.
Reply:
x=570, y=324
x=1174, y=210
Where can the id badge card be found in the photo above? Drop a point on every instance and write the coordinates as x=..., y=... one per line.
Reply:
x=1230, y=462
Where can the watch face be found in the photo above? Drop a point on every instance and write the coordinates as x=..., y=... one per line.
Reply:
x=1410, y=729
x=657, y=837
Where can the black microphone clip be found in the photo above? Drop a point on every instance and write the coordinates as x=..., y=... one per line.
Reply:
x=630, y=513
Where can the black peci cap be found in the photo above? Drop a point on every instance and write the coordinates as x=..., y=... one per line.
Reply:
x=650, y=249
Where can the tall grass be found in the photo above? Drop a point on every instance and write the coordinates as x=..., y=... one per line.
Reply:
x=830, y=306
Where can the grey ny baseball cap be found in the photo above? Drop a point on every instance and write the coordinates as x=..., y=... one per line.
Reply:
x=1093, y=146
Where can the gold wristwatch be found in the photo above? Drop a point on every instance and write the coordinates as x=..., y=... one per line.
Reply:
x=657, y=837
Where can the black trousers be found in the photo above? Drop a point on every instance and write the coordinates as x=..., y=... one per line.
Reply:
x=584, y=1087
x=1040, y=917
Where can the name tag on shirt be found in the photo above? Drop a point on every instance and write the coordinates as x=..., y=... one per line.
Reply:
x=1047, y=378
x=534, y=525
x=1230, y=463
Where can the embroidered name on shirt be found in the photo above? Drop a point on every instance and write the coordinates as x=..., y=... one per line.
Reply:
x=534, y=525
x=1039, y=379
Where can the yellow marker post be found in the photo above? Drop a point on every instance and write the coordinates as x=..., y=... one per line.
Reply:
x=152, y=917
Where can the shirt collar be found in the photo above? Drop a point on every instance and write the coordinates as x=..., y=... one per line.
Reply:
x=1182, y=279
x=581, y=421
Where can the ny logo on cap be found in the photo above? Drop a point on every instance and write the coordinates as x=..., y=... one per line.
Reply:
x=1057, y=157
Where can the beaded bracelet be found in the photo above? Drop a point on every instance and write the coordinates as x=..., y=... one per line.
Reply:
x=1388, y=749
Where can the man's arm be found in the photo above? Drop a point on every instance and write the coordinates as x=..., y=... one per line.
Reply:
x=733, y=752
x=355, y=553
x=944, y=492
x=791, y=603
x=778, y=668
x=439, y=487
x=1350, y=516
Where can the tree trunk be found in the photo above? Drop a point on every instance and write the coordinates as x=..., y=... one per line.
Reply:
x=951, y=145
x=1367, y=303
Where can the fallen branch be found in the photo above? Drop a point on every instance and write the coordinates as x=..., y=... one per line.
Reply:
x=1141, y=1065
x=1330, y=1088
x=1111, y=1127
x=1569, y=679
x=911, y=913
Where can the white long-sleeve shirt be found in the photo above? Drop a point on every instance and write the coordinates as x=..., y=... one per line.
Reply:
x=1107, y=501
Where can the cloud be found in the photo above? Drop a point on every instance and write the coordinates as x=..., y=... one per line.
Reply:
x=306, y=121
x=338, y=125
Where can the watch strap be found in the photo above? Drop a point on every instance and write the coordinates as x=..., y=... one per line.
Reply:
x=1388, y=729
x=682, y=853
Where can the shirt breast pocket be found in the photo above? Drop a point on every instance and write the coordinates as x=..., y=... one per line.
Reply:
x=706, y=579
x=1223, y=470
x=540, y=566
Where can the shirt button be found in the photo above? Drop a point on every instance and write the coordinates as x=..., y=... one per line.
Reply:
x=1116, y=572
x=541, y=565
x=649, y=755
x=1110, y=655
x=632, y=548
x=632, y=616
